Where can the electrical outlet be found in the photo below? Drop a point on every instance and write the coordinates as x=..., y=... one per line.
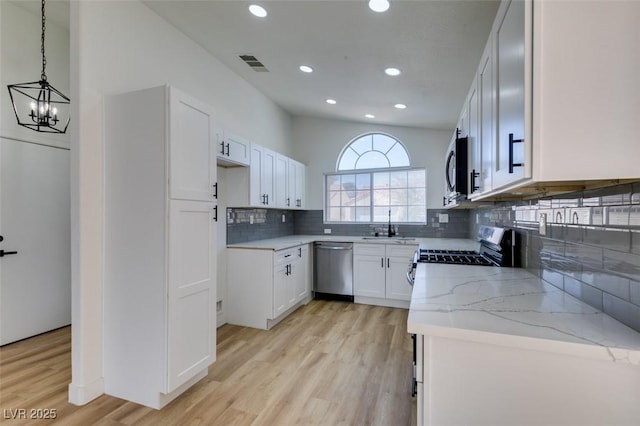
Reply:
x=443, y=218
x=284, y=218
x=327, y=230
x=543, y=224
x=477, y=218
x=250, y=219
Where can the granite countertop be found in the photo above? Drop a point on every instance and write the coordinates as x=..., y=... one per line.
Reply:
x=288, y=241
x=512, y=307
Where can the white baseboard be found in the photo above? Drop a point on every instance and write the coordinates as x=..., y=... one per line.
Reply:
x=83, y=394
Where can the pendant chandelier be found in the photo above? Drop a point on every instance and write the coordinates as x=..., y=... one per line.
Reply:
x=38, y=105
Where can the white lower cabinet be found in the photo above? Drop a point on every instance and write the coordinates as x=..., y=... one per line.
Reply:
x=265, y=285
x=507, y=382
x=379, y=274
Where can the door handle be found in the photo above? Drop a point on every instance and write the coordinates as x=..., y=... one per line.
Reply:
x=511, y=142
x=6, y=253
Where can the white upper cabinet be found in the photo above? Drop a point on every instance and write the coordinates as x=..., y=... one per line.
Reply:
x=262, y=177
x=271, y=181
x=192, y=149
x=282, y=182
x=486, y=113
x=296, y=184
x=474, y=147
x=233, y=150
x=558, y=98
x=510, y=57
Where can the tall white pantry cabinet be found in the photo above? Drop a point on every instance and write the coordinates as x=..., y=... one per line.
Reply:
x=160, y=214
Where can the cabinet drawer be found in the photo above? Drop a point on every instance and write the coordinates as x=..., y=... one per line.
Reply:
x=369, y=249
x=284, y=256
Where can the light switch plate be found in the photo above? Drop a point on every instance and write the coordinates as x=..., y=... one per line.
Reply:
x=250, y=219
x=284, y=218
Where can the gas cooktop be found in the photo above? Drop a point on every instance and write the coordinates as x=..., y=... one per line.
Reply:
x=496, y=249
x=460, y=257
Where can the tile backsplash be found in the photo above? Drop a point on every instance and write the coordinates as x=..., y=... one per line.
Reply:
x=590, y=247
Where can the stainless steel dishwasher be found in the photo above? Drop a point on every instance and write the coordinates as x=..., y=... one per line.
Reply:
x=333, y=270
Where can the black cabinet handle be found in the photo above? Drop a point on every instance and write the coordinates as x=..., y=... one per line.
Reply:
x=288, y=202
x=215, y=190
x=298, y=202
x=388, y=266
x=215, y=213
x=474, y=175
x=444, y=201
x=382, y=262
x=267, y=197
x=299, y=251
x=222, y=147
x=6, y=253
x=511, y=142
x=227, y=153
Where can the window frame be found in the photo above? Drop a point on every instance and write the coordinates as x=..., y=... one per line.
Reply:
x=357, y=138
x=372, y=205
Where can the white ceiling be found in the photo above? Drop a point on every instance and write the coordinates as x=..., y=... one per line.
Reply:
x=436, y=43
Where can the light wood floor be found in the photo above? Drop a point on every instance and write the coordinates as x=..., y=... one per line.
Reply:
x=329, y=363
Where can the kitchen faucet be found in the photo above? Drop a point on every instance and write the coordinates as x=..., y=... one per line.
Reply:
x=390, y=232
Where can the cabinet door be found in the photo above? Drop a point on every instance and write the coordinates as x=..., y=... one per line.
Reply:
x=369, y=276
x=280, y=292
x=282, y=181
x=233, y=149
x=398, y=287
x=487, y=124
x=510, y=51
x=300, y=190
x=191, y=291
x=473, y=144
x=301, y=275
x=267, y=181
x=191, y=147
x=255, y=176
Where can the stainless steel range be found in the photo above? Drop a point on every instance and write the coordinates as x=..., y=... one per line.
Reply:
x=496, y=249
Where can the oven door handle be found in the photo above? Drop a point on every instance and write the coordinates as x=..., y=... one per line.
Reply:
x=409, y=278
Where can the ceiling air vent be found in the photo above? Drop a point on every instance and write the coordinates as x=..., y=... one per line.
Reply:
x=254, y=63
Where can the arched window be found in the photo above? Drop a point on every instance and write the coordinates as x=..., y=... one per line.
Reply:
x=373, y=151
x=374, y=183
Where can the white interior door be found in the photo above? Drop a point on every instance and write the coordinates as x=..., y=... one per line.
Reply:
x=35, y=283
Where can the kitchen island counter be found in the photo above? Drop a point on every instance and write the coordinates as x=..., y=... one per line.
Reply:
x=514, y=307
x=500, y=346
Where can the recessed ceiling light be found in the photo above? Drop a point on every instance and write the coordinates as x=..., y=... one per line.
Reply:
x=392, y=71
x=258, y=10
x=306, y=68
x=379, y=5
x=370, y=116
x=400, y=106
x=331, y=101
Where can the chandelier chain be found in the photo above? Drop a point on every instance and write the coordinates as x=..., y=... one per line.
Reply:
x=43, y=75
